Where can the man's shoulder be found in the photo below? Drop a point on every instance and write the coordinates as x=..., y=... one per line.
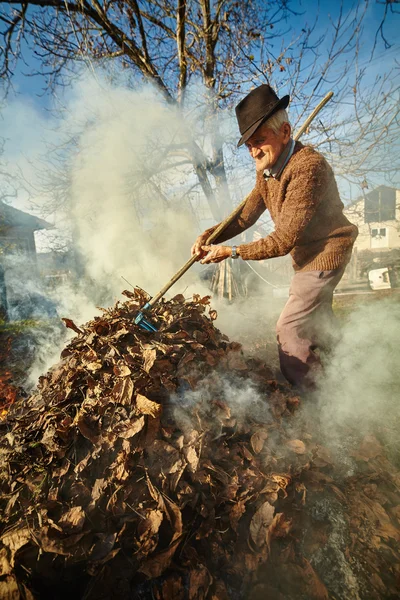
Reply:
x=306, y=157
x=305, y=152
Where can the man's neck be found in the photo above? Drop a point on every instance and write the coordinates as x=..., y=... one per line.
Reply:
x=280, y=164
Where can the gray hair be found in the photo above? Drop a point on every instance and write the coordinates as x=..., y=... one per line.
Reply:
x=276, y=121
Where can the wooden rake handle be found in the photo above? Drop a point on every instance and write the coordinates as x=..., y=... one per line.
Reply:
x=233, y=215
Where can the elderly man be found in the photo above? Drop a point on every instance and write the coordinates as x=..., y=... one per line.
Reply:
x=297, y=186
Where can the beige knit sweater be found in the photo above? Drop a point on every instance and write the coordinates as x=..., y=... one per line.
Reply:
x=305, y=206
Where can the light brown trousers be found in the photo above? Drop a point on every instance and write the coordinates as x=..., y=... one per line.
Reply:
x=307, y=323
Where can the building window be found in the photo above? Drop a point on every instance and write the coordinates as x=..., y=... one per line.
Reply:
x=378, y=232
x=380, y=205
x=379, y=238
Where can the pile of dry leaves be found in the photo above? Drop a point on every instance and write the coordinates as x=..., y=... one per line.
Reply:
x=164, y=465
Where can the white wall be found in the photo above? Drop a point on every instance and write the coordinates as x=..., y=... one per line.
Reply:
x=365, y=241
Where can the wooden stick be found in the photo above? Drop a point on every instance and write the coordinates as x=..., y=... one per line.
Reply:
x=233, y=215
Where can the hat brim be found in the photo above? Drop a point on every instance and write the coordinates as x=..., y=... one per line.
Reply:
x=282, y=103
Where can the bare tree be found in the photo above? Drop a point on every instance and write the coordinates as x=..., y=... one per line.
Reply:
x=166, y=42
x=227, y=44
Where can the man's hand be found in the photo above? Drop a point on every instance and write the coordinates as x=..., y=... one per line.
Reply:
x=197, y=246
x=215, y=254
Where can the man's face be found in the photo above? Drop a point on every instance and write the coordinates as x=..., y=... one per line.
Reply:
x=265, y=146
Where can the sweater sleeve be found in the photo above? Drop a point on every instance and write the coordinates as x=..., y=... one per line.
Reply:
x=304, y=192
x=249, y=214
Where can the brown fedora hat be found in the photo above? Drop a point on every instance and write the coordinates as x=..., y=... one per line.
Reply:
x=260, y=104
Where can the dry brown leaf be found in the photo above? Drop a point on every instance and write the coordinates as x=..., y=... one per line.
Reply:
x=149, y=483
x=236, y=362
x=5, y=566
x=257, y=440
x=123, y=391
x=236, y=512
x=173, y=587
x=174, y=516
x=296, y=446
x=279, y=528
x=158, y=563
x=260, y=524
x=9, y=589
x=48, y=439
x=192, y=458
x=152, y=490
x=148, y=407
x=65, y=546
x=15, y=539
x=127, y=429
x=164, y=458
x=101, y=327
x=71, y=325
x=73, y=520
x=199, y=583
x=98, y=488
x=121, y=370
x=149, y=526
x=103, y=546
x=96, y=365
x=368, y=449
x=88, y=426
x=149, y=357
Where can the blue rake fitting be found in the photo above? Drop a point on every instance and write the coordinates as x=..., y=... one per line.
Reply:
x=142, y=322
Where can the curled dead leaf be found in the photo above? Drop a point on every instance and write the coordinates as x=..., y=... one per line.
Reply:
x=257, y=440
x=71, y=325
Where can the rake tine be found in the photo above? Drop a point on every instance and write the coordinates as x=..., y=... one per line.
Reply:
x=148, y=326
x=145, y=324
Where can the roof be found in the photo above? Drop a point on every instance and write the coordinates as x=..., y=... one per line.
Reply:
x=377, y=189
x=12, y=217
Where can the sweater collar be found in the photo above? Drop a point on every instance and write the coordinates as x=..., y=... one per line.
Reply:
x=282, y=161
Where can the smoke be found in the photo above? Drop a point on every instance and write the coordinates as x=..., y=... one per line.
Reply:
x=236, y=397
x=130, y=214
x=117, y=176
x=357, y=392
x=35, y=311
x=106, y=170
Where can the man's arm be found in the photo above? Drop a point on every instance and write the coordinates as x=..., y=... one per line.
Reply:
x=249, y=214
x=303, y=195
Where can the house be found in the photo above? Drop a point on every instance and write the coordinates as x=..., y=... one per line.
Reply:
x=17, y=232
x=377, y=216
x=17, y=253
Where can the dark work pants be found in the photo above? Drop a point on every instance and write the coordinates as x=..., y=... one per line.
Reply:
x=307, y=323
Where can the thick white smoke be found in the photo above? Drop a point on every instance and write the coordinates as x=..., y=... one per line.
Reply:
x=130, y=213
x=360, y=384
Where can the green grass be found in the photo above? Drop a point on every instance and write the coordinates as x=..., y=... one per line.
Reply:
x=16, y=327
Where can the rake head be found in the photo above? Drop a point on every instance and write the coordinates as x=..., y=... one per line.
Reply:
x=142, y=321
